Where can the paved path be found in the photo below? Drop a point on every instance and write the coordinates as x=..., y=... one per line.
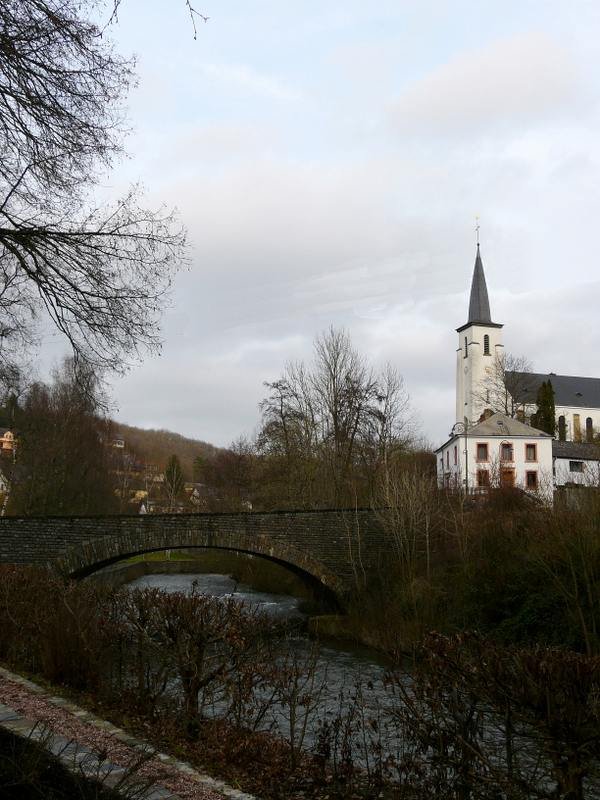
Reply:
x=85, y=743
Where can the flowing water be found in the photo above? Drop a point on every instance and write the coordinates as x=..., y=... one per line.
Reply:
x=338, y=670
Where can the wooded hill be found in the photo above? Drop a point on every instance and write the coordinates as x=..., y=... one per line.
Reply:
x=157, y=446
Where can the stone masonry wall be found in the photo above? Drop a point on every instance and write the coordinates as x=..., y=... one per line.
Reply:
x=336, y=547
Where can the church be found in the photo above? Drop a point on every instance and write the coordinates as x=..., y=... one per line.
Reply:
x=493, y=441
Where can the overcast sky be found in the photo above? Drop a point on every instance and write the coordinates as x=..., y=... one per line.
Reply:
x=329, y=159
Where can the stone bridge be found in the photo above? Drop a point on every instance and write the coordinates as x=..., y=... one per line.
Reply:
x=334, y=550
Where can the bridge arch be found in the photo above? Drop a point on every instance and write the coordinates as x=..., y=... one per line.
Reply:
x=87, y=557
x=339, y=549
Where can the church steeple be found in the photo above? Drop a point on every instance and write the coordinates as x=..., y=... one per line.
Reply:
x=479, y=304
x=479, y=343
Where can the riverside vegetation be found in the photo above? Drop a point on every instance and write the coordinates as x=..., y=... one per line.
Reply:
x=516, y=571
x=459, y=715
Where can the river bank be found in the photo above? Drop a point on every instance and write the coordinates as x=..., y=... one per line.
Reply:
x=267, y=578
x=259, y=708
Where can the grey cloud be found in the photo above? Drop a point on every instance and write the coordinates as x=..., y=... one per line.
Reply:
x=284, y=245
x=524, y=79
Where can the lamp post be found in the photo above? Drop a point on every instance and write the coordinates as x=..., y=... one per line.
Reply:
x=458, y=429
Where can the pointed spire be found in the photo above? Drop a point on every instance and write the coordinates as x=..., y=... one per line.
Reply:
x=479, y=304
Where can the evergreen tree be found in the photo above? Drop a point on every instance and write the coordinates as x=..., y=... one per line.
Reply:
x=544, y=418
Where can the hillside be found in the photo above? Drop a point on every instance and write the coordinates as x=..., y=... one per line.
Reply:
x=156, y=446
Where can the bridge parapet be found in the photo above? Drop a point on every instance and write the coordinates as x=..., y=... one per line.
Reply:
x=337, y=548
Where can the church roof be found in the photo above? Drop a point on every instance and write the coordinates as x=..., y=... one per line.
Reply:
x=501, y=425
x=569, y=390
x=479, y=304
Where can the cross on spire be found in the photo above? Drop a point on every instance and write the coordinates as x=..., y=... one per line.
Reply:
x=477, y=229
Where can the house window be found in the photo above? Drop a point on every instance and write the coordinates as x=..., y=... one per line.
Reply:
x=466, y=347
x=482, y=451
x=447, y=459
x=575, y=466
x=531, y=452
x=486, y=345
x=531, y=479
x=562, y=428
x=455, y=455
x=506, y=451
x=483, y=477
x=576, y=428
x=589, y=430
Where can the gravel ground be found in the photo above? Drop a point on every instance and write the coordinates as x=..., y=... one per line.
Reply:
x=59, y=720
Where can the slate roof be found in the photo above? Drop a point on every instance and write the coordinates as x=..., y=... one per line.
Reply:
x=569, y=390
x=479, y=304
x=501, y=425
x=582, y=451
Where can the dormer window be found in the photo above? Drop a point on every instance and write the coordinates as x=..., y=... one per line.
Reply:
x=486, y=345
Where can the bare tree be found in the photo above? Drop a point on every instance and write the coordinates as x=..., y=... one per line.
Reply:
x=63, y=464
x=330, y=426
x=174, y=481
x=344, y=389
x=508, y=386
x=98, y=272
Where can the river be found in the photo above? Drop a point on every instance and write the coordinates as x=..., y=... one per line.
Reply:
x=338, y=668
x=362, y=733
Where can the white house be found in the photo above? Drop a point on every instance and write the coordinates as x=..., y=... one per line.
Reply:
x=498, y=451
x=7, y=440
x=576, y=464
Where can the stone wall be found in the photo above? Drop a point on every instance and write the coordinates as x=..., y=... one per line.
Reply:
x=335, y=547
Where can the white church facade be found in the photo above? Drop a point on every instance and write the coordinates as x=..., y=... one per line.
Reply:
x=490, y=448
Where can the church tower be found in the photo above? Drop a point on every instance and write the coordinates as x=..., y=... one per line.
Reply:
x=479, y=345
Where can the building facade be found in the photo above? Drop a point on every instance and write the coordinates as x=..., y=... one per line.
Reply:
x=576, y=464
x=576, y=399
x=488, y=448
x=497, y=452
